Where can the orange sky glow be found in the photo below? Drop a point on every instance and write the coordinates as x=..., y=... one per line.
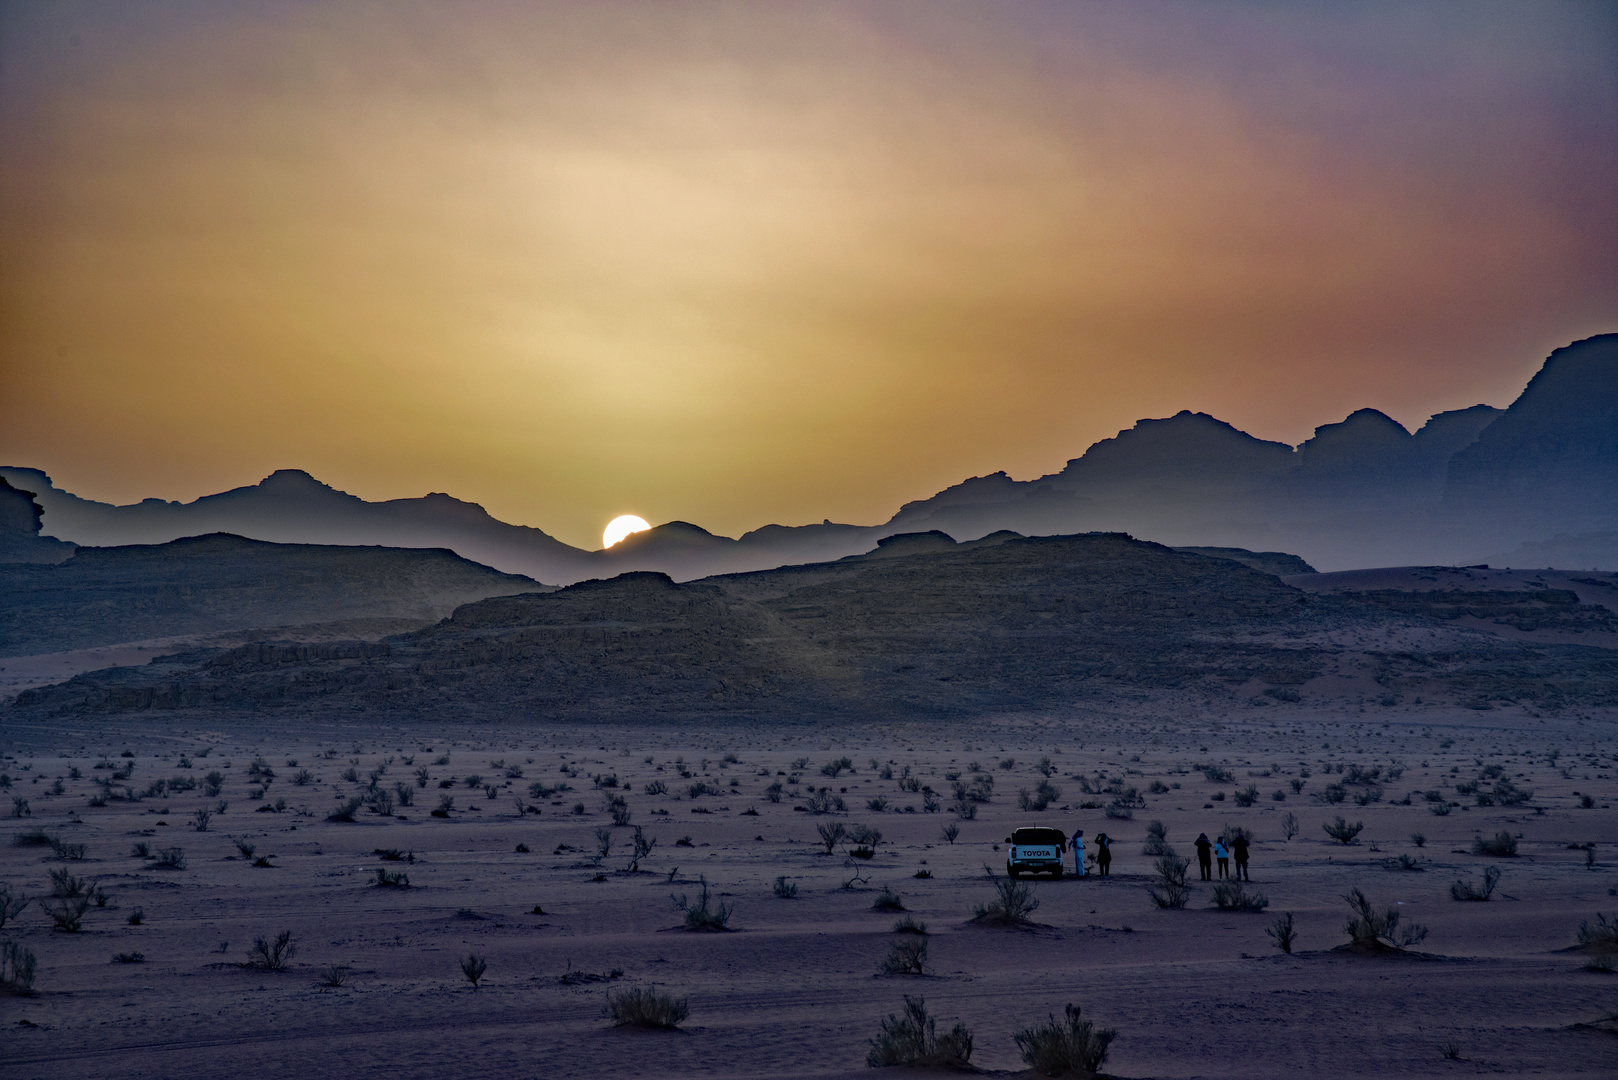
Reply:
x=743, y=263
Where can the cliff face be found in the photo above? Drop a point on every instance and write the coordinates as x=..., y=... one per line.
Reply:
x=1553, y=455
x=20, y=542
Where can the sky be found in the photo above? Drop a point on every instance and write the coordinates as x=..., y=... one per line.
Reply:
x=746, y=263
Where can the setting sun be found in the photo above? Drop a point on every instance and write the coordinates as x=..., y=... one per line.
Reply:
x=621, y=526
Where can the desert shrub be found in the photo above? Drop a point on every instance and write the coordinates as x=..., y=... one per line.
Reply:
x=17, y=967
x=476, y=780
x=964, y=809
x=784, y=889
x=1332, y=794
x=1465, y=890
x=773, y=792
x=646, y=1008
x=1156, y=839
x=67, y=852
x=473, y=966
x=1289, y=825
x=1501, y=844
x=878, y=803
x=246, y=848
x=333, y=975
x=11, y=904
x=951, y=831
x=1341, y=831
x=391, y=880
x=1368, y=795
x=267, y=955
x=1282, y=933
x=1601, y=941
x=404, y=794
x=1073, y=1046
x=641, y=846
x=34, y=838
x=213, y=783
x=1216, y=775
x=137, y=916
x=446, y=803
x=347, y=811
x=906, y=957
x=1368, y=928
x=1419, y=839
x=824, y=802
x=1246, y=796
x=833, y=768
x=1012, y=904
x=1170, y=889
x=1403, y=861
x=888, y=900
x=912, y=1039
x=699, y=915
x=171, y=858
x=831, y=834
x=199, y=820
x=909, y=925
x=1231, y=896
x=865, y=835
x=303, y=778
x=656, y=787
x=66, y=912
x=129, y=958
x=19, y=807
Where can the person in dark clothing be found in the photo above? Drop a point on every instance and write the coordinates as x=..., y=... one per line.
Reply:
x=1205, y=857
x=1103, y=855
x=1238, y=848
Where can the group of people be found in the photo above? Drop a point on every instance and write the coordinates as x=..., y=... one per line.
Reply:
x=1208, y=852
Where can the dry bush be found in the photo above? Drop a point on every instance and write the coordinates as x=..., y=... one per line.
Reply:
x=909, y=925
x=888, y=900
x=1465, y=890
x=1600, y=940
x=347, y=811
x=831, y=834
x=394, y=880
x=34, y=838
x=1070, y=1047
x=641, y=846
x=1341, y=831
x=17, y=967
x=646, y=1008
x=1157, y=839
x=473, y=966
x=1501, y=844
x=67, y=912
x=784, y=889
x=171, y=858
x=67, y=852
x=1170, y=889
x=333, y=975
x=912, y=1039
x=1231, y=896
x=907, y=957
x=199, y=820
x=1368, y=928
x=11, y=904
x=1282, y=933
x=274, y=955
x=698, y=914
x=1013, y=903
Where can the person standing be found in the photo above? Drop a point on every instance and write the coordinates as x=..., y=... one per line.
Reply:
x=1222, y=853
x=1238, y=847
x=1205, y=856
x=1078, y=852
x=1103, y=855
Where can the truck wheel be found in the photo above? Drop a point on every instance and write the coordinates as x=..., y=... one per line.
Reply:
x=1011, y=872
x=1058, y=874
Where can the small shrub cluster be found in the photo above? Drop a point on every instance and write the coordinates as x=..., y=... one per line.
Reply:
x=1072, y=1046
x=646, y=1008
x=1465, y=890
x=1012, y=904
x=1232, y=896
x=699, y=914
x=912, y=1039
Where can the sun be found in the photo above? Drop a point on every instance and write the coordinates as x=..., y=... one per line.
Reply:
x=620, y=527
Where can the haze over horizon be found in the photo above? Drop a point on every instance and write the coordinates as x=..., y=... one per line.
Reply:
x=738, y=265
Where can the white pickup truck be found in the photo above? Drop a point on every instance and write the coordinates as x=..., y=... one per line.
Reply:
x=1036, y=851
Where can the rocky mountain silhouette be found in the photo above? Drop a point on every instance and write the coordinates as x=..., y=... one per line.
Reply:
x=220, y=583
x=1361, y=492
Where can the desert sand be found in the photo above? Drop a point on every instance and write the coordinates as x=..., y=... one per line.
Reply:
x=793, y=988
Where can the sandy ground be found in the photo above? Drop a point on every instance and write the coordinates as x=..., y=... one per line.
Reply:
x=794, y=990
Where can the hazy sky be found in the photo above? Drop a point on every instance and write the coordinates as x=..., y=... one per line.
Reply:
x=753, y=262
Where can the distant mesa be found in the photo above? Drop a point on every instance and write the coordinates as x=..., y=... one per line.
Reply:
x=1360, y=492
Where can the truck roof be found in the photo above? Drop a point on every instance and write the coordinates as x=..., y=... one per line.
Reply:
x=1039, y=835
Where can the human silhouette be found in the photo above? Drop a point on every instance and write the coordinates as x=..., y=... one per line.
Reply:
x=1222, y=853
x=1103, y=855
x=1238, y=847
x=1205, y=856
x=1078, y=852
